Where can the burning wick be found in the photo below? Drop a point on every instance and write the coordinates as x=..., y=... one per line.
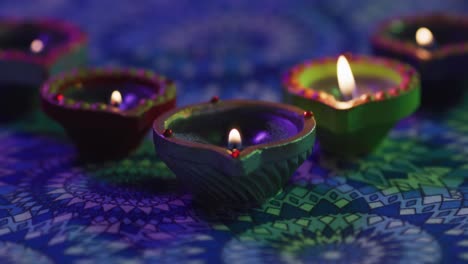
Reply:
x=116, y=98
x=36, y=46
x=424, y=37
x=234, y=140
x=346, y=81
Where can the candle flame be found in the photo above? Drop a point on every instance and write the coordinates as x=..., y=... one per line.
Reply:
x=116, y=98
x=36, y=46
x=346, y=81
x=424, y=37
x=234, y=139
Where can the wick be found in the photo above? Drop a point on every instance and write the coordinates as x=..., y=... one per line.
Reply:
x=431, y=47
x=348, y=97
x=234, y=146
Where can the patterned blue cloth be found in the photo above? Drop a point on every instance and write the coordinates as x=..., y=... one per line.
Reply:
x=406, y=202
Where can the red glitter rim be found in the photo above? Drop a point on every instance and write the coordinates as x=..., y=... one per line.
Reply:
x=164, y=89
x=408, y=75
x=382, y=38
x=74, y=39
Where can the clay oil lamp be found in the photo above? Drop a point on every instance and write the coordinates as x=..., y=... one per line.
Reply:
x=236, y=152
x=107, y=112
x=31, y=51
x=436, y=45
x=355, y=102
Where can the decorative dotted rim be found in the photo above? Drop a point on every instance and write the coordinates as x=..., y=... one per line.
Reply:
x=409, y=80
x=160, y=125
x=75, y=38
x=383, y=39
x=164, y=89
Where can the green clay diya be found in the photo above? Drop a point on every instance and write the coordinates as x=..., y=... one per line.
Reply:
x=235, y=152
x=107, y=112
x=355, y=111
x=30, y=52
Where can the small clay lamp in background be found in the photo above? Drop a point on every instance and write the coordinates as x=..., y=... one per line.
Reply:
x=107, y=112
x=437, y=46
x=30, y=52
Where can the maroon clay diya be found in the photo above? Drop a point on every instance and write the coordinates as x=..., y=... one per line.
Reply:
x=437, y=45
x=107, y=112
x=355, y=103
x=236, y=152
x=30, y=51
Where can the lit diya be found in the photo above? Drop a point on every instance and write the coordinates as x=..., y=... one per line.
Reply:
x=30, y=51
x=437, y=45
x=236, y=152
x=355, y=108
x=107, y=112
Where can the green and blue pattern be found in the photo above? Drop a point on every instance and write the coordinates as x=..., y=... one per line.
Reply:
x=406, y=202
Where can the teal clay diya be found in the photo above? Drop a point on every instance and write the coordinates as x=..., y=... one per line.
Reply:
x=107, y=112
x=436, y=45
x=30, y=51
x=355, y=108
x=236, y=152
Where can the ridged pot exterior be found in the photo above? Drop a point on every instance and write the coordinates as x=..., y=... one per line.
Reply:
x=211, y=186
